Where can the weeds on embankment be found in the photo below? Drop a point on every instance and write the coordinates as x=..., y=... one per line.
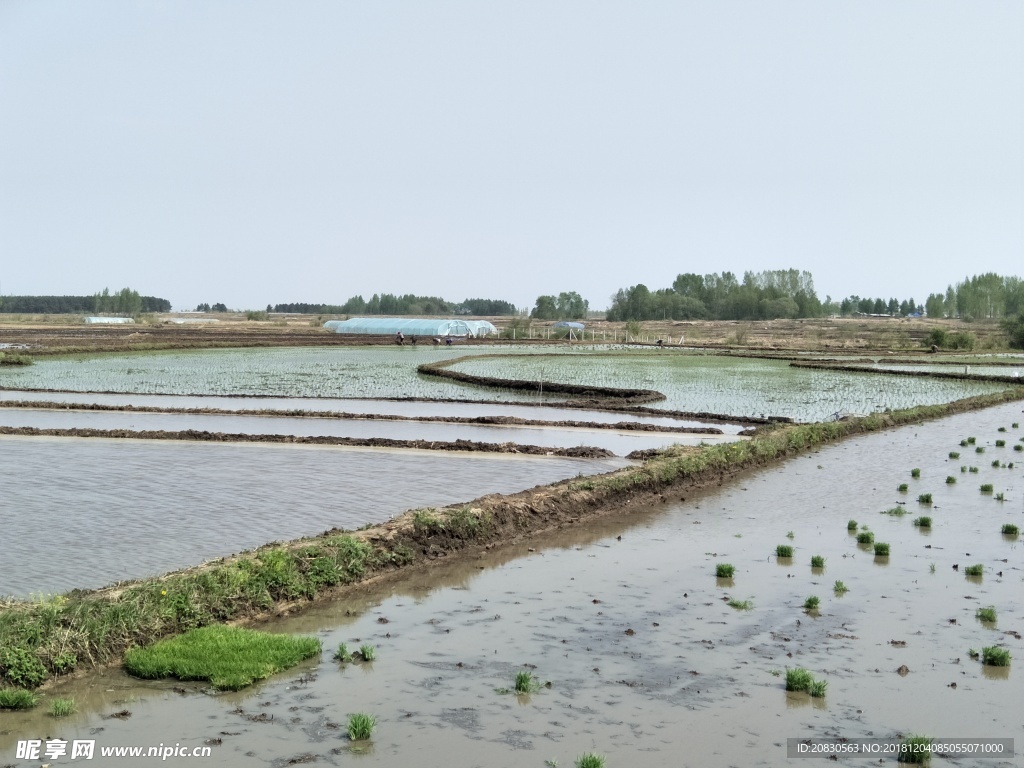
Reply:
x=52, y=636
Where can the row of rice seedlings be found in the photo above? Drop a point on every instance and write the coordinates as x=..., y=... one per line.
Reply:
x=800, y=680
x=62, y=707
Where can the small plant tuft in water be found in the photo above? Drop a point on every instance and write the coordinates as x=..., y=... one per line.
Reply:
x=954, y=454
x=790, y=535
x=974, y=570
x=915, y=472
x=817, y=689
x=817, y=561
x=973, y=653
x=1018, y=447
x=367, y=652
x=931, y=567
x=1009, y=529
x=923, y=522
x=343, y=654
x=915, y=750
x=881, y=549
x=724, y=570
x=903, y=488
x=1001, y=429
x=360, y=726
x=1015, y=425
x=973, y=470
x=979, y=449
x=963, y=467
x=812, y=603
x=964, y=443
x=839, y=588
x=1000, y=496
x=798, y=679
x=783, y=550
x=590, y=760
x=895, y=511
x=994, y=656
x=1000, y=443
x=865, y=537
x=62, y=707
x=987, y=614
x=740, y=605
x=526, y=683
x=17, y=698
x=986, y=488
x=970, y=441
x=950, y=480
x=996, y=463
x=924, y=498
x=851, y=525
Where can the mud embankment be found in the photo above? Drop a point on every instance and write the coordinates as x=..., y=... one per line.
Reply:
x=887, y=372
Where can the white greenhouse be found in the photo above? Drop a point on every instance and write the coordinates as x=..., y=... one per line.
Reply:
x=389, y=326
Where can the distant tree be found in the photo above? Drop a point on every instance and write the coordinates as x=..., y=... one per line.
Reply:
x=571, y=306
x=205, y=307
x=218, y=308
x=546, y=308
x=935, y=305
x=1014, y=327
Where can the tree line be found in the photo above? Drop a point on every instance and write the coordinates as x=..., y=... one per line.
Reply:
x=125, y=302
x=409, y=304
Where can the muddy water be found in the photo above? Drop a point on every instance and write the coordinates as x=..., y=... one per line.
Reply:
x=88, y=512
x=616, y=441
x=407, y=408
x=694, y=683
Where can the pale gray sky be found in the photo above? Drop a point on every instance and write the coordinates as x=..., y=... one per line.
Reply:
x=256, y=152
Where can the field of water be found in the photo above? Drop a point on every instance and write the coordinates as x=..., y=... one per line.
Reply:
x=648, y=663
x=737, y=386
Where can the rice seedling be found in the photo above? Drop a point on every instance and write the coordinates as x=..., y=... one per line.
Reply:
x=740, y=605
x=931, y=567
x=790, y=535
x=367, y=652
x=1015, y=425
x=986, y=488
x=994, y=656
x=895, y=511
x=973, y=470
x=839, y=588
x=865, y=537
x=1009, y=529
x=995, y=463
x=881, y=549
x=954, y=454
x=963, y=468
x=64, y=707
x=783, y=550
x=980, y=449
x=551, y=763
x=231, y=658
x=724, y=570
x=817, y=689
x=812, y=603
x=798, y=679
x=1001, y=429
x=986, y=614
x=974, y=570
x=1000, y=443
x=973, y=653
x=590, y=760
x=970, y=441
x=915, y=750
x=526, y=683
x=360, y=726
x=924, y=498
x=903, y=488
x=1000, y=496
x=1018, y=447
x=17, y=698
x=817, y=561
x=343, y=654
x=964, y=443
x=851, y=525
x=915, y=472
x=923, y=522
x=950, y=480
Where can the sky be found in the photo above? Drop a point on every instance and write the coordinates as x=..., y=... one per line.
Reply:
x=256, y=153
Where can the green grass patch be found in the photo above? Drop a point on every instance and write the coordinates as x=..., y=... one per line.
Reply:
x=817, y=561
x=865, y=537
x=964, y=443
x=360, y=726
x=526, y=683
x=903, y=488
x=231, y=658
x=994, y=656
x=343, y=654
x=851, y=525
x=812, y=603
x=963, y=467
x=784, y=550
x=923, y=522
x=881, y=549
x=22, y=667
x=915, y=750
x=800, y=680
x=975, y=570
x=950, y=480
x=1000, y=443
x=915, y=472
x=818, y=688
x=1009, y=529
x=986, y=488
x=590, y=760
x=740, y=605
x=924, y=498
x=954, y=454
x=979, y=449
x=986, y=614
x=1000, y=496
x=724, y=570
x=17, y=698
x=62, y=707
x=839, y=588
x=971, y=440
x=973, y=470
x=367, y=652
x=1018, y=447
x=895, y=511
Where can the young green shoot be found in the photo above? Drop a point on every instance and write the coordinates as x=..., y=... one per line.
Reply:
x=923, y=522
x=950, y=480
x=865, y=537
x=881, y=549
x=839, y=588
x=903, y=488
x=915, y=750
x=987, y=615
x=62, y=707
x=343, y=654
x=360, y=726
x=994, y=656
x=740, y=605
x=724, y=570
x=798, y=679
x=367, y=652
x=590, y=760
x=812, y=603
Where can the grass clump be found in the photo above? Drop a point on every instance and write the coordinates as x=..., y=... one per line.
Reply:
x=915, y=472
x=994, y=656
x=17, y=698
x=740, y=605
x=903, y=488
x=62, y=707
x=839, y=588
x=895, y=511
x=954, y=454
x=923, y=522
x=986, y=488
x=1018, y=447
x=817, y=689
x=724, y=570
x=231, y=658
x=915, y=750
x=979, y=449
x=1000, y=443
x=343, y=654
x=812, y=603
x=851, y=525
x=590, y=760
x=783, y=550
x=865, y=537
x=950, y=480
x=987, y=614
x=817, y=561
x=1000, y=496
x=799, y=679
x=971, y=440
x=526, y=683
x=1009, y=529
x=973, y=470
x=974, y=570
x=963, y=467
x=360, y=726
x=367, y=652
x=924, y=498
x=881, y=549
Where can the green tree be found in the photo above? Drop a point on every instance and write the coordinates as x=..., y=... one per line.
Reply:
x=546, y=308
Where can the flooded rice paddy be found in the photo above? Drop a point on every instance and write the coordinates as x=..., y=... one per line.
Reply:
x=648, y=664
x=89, y=512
